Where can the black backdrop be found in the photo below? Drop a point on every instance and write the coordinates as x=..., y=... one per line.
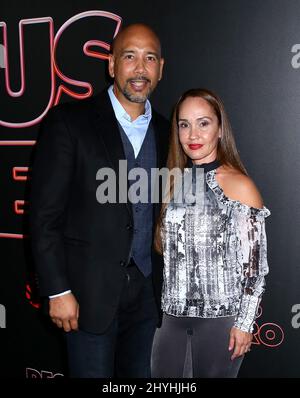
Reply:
x=245, y=50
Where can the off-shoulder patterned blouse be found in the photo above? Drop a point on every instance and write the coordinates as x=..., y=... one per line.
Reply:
x=215, y=257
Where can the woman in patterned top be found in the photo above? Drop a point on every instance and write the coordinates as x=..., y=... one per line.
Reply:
x=215, y=257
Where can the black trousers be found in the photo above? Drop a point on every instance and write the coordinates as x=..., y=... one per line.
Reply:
x=124, y=350
x=194, y=347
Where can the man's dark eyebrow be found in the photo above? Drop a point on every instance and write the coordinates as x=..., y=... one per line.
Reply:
x=127, y=51
x=153, y=53
x=133, y=51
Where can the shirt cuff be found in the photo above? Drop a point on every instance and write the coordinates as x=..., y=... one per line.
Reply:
x=60, y=294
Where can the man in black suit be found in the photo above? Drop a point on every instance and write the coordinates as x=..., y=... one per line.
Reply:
x=95, y=260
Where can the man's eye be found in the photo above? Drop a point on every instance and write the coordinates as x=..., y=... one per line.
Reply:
x=151, y=58
x=129, y=56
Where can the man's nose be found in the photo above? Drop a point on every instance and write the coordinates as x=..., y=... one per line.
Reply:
x=140, y=66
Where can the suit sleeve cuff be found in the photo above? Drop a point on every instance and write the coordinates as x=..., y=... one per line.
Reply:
x=60, y=294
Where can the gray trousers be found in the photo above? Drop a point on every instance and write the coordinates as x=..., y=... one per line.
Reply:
x=193, y=347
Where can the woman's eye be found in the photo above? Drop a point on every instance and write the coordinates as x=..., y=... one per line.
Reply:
x=204, y=123
x=183, y=125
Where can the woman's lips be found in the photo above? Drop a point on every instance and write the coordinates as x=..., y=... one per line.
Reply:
x=195, y=146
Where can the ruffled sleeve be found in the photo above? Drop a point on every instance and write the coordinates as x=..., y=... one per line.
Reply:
x=252, y=241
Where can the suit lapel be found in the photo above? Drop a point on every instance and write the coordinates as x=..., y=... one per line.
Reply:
x=109, y=135
x=107, y=129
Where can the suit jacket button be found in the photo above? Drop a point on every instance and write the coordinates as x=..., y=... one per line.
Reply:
x=122, y=263
x=128, y=227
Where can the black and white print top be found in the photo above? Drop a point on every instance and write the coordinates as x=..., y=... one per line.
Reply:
x=215, y=257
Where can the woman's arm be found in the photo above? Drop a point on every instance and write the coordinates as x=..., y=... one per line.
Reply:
x=253, y=246
x=252, y=254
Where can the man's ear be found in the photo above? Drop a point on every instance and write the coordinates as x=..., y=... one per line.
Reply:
x=162, y=62
x=111, y=65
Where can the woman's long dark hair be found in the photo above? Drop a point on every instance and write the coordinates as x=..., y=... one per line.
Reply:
x=227, y=153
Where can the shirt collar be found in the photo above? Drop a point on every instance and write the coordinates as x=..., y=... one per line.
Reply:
x=120, y=111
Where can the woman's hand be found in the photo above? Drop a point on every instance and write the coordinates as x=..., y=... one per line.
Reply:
x=239, y=341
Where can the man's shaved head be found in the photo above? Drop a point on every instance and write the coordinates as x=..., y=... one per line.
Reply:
x=134, y=30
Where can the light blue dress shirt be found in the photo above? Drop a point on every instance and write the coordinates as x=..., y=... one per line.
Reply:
x=135, y=130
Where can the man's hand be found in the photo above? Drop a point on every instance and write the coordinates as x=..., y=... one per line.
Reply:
x=240, y=341
x=64, y=312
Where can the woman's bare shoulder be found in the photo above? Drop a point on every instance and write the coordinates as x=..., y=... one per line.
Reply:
x=238, y=186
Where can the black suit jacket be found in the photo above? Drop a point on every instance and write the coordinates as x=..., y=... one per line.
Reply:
x=77, y=243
